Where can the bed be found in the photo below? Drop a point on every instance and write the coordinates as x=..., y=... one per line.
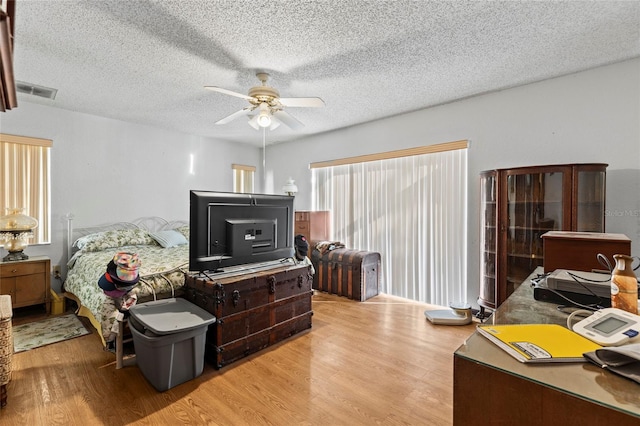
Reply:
x=163, y=249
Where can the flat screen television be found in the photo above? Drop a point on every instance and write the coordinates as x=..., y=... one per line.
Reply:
x=229, y=229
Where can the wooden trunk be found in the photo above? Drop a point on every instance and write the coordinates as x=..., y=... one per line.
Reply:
x=253, y=309
x=351, y=273
x=579, y=251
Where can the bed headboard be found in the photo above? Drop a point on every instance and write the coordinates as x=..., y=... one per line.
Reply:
x=149, y=223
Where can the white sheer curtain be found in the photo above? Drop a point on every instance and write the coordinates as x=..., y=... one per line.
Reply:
x=24, y=180
x=243, y=177
x=413, y=211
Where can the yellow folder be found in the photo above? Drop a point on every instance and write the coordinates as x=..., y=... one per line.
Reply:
x=539, y=343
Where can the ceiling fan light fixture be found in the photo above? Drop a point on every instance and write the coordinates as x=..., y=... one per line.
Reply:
x=253, y=122
x=266, y=106
x=264, y=117
x=264, y=120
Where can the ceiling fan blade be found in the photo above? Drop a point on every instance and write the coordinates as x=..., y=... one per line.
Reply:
x=302, y=102
x=229, y=92
x=288, y=119
x=227, y=119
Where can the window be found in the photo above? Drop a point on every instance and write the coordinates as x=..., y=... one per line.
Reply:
x=24, y=173
x=411, y=207
x=243, y=178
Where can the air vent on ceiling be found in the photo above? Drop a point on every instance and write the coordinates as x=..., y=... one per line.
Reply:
x=33, y=89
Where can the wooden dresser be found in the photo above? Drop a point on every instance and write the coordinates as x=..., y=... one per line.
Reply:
x=315, y=226
x=26, y=281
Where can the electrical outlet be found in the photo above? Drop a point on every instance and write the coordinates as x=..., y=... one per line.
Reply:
x=56, y=272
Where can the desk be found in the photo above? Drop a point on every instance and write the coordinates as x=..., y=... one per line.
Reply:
x=491, y=387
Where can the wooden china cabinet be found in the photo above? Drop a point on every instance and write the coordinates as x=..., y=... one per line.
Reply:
x=518, y=205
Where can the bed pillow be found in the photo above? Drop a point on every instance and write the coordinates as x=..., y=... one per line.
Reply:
x=115, y=238
x=81, y=242
x=184, y=230
x=169, y=238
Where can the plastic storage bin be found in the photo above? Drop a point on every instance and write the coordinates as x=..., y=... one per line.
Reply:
x=169, y=340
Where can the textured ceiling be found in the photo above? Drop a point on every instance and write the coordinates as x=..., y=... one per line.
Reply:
x=148, y=61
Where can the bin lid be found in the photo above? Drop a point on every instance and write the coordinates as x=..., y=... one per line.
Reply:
x=170, y=315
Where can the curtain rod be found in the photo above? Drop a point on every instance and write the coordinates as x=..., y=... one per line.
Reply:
x=428, y=149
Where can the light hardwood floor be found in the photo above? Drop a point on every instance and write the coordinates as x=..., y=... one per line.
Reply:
x=362, y=363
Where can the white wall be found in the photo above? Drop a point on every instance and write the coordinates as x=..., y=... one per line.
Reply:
x=104, y=170
x=592, y=116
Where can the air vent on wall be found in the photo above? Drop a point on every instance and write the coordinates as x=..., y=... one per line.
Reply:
x=35, y=90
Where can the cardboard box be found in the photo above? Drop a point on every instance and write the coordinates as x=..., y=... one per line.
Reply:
x=579, y=250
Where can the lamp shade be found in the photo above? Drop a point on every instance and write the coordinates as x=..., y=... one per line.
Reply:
x=15, y=229
x=290, y=187
x=16, y=221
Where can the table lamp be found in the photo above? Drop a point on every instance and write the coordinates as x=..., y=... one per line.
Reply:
x=15, y=229
x=290, y=187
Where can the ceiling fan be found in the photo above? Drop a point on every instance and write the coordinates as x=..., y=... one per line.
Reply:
x=266, y=107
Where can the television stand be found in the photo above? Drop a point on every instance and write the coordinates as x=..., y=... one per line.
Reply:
x=255, y=306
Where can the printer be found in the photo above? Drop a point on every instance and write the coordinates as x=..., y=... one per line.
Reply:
x=565, y=286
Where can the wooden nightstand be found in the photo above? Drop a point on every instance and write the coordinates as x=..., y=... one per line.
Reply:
x=27, y=281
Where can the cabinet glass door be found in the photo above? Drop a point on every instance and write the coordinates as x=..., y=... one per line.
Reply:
x=590, y=201
x=535, y=205
x=488, y=239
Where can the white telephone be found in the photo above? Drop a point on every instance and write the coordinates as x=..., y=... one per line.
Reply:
x=610, y=327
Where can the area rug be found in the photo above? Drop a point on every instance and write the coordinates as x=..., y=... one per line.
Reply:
x=47, y=331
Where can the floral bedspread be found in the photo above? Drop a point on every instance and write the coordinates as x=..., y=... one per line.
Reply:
x=161, y=274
